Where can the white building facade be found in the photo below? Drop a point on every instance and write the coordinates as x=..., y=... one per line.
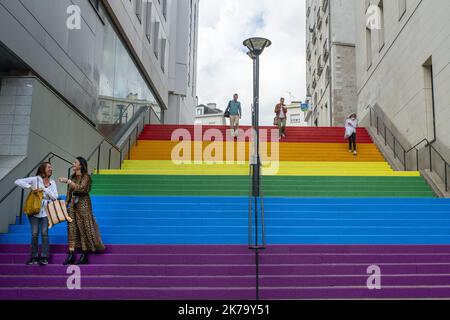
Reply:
x=331, y=74
x=296, y=117
x=403, y=67
x=209, y=115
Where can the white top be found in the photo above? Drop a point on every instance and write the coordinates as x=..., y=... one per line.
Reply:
x=350, y=127
x=282, y=115
x=50, y=193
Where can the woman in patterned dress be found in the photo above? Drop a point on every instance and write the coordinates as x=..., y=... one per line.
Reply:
x=82, y=233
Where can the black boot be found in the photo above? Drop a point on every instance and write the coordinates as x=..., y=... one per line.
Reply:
x=70, y=258
x=83, y=259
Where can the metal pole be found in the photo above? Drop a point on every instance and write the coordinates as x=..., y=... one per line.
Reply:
x=431, y=159
x=404, y=159
x=417, y=159
x=98, y=158
x=129, y=147
x=395, y=153
x=446, y=177
x=109, y=159
x=137, y=135
x=21, y=206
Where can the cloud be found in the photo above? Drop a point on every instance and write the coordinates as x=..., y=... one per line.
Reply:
x=223, y=66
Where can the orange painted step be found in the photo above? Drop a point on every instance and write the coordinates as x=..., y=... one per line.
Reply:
x=168, y=150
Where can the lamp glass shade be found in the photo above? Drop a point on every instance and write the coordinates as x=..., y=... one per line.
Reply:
x=251, y=55
x=257, y=45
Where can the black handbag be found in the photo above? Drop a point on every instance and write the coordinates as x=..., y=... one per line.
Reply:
x=227, y=114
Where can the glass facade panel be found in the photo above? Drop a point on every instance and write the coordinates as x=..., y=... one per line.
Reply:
x=123, y=92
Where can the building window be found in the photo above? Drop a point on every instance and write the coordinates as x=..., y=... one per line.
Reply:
x=296, y=118
x=163, y=54
x=139, y=10
x=156, y=39
x=381, y=33
x=401, y=8
x=164, y=8
x=199, y=111
x=369, y=47
x=148, y=21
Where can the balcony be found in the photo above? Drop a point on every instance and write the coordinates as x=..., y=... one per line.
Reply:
x=325, y=51
x=320, y=66
x=314, y=37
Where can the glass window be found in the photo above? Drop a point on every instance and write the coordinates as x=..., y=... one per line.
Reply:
x=123, y=91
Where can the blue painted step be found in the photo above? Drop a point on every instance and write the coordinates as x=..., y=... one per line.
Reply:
x=223, y=220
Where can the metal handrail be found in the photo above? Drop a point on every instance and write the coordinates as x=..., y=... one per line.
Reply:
x=414, y=148
x=418, y=144
x=97, y=149
x=49, y=158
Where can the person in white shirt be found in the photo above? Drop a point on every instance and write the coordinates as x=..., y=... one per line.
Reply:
x=39, y=222
x=351, y=124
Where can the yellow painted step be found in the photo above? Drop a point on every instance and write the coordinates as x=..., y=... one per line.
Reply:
x=168, y=150
x=280, y=168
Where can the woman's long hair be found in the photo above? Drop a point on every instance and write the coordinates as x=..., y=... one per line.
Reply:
x=41, y=170
x=84, y=167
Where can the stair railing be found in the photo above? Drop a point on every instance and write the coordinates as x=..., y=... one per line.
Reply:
x=134, y=132
x=431, y=149
x=47, y=158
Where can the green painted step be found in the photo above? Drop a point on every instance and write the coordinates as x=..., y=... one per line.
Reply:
x=148, y=185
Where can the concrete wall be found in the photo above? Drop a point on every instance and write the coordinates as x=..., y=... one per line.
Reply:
x=15, y=114
x=183, y=62
x=68, y=60
x=397, y=80
x=344, y=83
x=54, y=127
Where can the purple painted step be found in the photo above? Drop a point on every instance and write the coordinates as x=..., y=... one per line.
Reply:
x=220, y=282
x=275, y=249
x=266, y=258
x=228, y=272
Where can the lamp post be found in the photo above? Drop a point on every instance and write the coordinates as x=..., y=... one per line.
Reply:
x=256, y=47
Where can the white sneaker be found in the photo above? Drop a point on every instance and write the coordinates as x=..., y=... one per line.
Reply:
x=355, y=153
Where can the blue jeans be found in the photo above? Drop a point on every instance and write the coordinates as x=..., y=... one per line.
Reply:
x=39, y=224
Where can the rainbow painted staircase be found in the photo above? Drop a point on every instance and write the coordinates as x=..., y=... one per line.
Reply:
x=179, y=231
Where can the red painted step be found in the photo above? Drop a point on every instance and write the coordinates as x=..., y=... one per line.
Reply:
x=297, y=134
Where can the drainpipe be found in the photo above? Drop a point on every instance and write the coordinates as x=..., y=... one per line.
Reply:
x=330, y=62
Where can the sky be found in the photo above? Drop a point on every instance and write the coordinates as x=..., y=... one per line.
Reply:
x=223, y=66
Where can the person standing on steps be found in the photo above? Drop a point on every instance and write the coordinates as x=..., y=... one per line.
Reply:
x=83, y=233
x=351, y=124
x=234, y=109
x=39, y=222
x=281, y=116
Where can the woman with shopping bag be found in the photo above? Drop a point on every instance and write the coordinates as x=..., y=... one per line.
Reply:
x=43, y=191
x=83, y=233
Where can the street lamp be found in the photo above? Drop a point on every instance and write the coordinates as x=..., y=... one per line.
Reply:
x=256, y=47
